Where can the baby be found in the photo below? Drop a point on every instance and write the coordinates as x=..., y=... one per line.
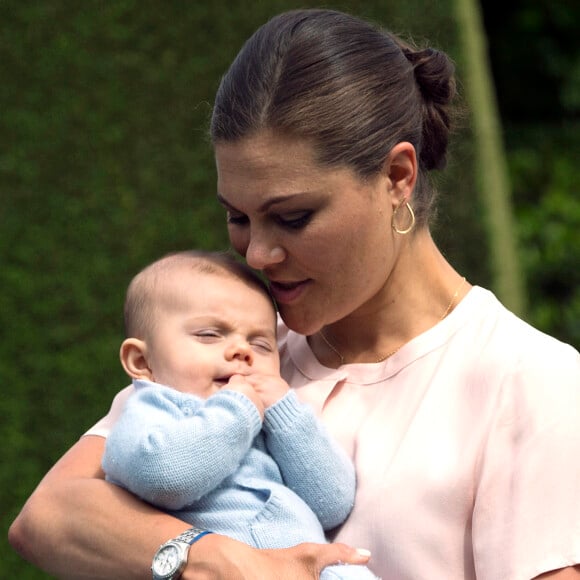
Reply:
x=212, y=433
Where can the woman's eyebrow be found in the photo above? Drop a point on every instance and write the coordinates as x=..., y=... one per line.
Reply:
x=267, y=204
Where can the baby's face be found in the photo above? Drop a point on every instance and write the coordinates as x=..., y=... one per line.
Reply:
x=208, y=328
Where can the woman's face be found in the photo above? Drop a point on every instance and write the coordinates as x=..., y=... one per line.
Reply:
x=321, y=235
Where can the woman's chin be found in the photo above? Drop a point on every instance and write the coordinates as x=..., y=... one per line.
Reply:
x=298, y=320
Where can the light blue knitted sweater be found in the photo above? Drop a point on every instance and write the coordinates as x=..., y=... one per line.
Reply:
x=213, y=464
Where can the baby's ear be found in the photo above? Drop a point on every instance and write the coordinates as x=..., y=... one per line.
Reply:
x=133, y=354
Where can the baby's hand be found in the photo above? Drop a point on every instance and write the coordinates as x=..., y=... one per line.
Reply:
x=270, y=388
x=241, y=384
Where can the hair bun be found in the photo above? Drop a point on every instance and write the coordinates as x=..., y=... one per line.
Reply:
x=434, y=74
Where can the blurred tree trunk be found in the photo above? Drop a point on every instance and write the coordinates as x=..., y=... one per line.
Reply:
x=491, y=167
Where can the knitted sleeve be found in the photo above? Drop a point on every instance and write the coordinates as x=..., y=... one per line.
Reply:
x=172, y=448
x=313, y=465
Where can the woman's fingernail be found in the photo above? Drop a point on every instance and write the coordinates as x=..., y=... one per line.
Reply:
x=364, y=552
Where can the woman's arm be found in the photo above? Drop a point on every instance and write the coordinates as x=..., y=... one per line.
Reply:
x=76, y=525
x=571, y=573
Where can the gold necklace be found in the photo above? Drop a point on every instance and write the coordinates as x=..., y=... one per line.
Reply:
x=391, y=353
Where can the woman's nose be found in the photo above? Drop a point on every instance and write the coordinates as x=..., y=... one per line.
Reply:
x=260, y=253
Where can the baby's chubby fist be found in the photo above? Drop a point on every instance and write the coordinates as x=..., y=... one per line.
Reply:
x=240, y=384
x=270, y=388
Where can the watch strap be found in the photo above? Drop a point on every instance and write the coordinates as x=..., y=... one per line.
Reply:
x=191, y=536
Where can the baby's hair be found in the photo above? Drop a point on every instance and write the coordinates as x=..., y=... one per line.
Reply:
x=139, y=308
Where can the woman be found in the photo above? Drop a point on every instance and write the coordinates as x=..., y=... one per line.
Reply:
x=463, y=421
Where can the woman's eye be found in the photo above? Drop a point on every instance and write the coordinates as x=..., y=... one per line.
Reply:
x=294, y=221
x=236, y=218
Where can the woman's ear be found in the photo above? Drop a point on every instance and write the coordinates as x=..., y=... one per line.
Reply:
x=133, y=354
x=401, y=169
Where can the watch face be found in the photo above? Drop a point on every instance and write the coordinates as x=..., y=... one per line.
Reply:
x=166, y=561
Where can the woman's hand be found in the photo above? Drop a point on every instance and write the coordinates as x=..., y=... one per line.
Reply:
x=217, y=557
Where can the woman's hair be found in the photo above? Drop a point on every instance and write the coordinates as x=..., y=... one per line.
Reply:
x=143, y=291
x=352, y=89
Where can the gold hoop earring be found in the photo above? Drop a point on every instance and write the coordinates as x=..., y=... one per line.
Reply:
x=411, y=215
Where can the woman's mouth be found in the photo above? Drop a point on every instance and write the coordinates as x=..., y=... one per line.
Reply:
x=286, y=292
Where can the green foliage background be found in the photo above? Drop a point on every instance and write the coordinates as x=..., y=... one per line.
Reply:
x=105, y=165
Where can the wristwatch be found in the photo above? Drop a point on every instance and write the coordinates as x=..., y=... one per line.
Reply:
x=171, y=558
